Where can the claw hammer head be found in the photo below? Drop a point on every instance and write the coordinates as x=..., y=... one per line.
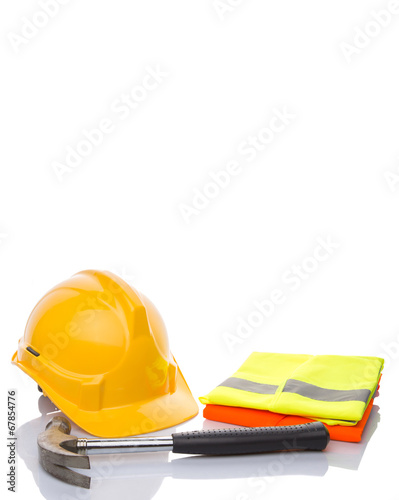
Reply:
x=55, y=459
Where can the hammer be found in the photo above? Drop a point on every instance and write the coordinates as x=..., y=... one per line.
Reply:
x=58, y=450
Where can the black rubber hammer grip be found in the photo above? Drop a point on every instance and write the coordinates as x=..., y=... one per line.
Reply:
x=312, y=436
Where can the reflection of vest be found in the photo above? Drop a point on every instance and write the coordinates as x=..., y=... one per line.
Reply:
x=333, y=389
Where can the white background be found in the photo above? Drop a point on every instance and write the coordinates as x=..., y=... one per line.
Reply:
x=323, y=176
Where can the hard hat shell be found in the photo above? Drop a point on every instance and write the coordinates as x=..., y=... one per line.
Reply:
x=100, y=351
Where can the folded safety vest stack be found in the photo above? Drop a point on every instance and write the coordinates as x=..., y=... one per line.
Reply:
x=287, y=389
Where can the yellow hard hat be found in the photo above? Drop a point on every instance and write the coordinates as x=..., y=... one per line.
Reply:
x=99, y=350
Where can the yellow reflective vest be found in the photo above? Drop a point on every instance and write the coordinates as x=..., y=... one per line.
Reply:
x=332, y=389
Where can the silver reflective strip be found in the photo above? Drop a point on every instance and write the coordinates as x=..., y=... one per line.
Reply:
x=318, y=393
x=247, y=385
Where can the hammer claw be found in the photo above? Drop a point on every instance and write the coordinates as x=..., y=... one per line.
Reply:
x=66, y=475
x=55, y=459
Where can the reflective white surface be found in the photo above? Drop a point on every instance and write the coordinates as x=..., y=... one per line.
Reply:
x=154, y=475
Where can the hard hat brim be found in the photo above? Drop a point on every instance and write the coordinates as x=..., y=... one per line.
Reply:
x=138, y=418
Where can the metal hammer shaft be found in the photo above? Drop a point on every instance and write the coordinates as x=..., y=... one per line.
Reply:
x=131, y=445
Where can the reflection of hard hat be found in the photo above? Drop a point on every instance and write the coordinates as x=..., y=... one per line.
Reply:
x=100, y=352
